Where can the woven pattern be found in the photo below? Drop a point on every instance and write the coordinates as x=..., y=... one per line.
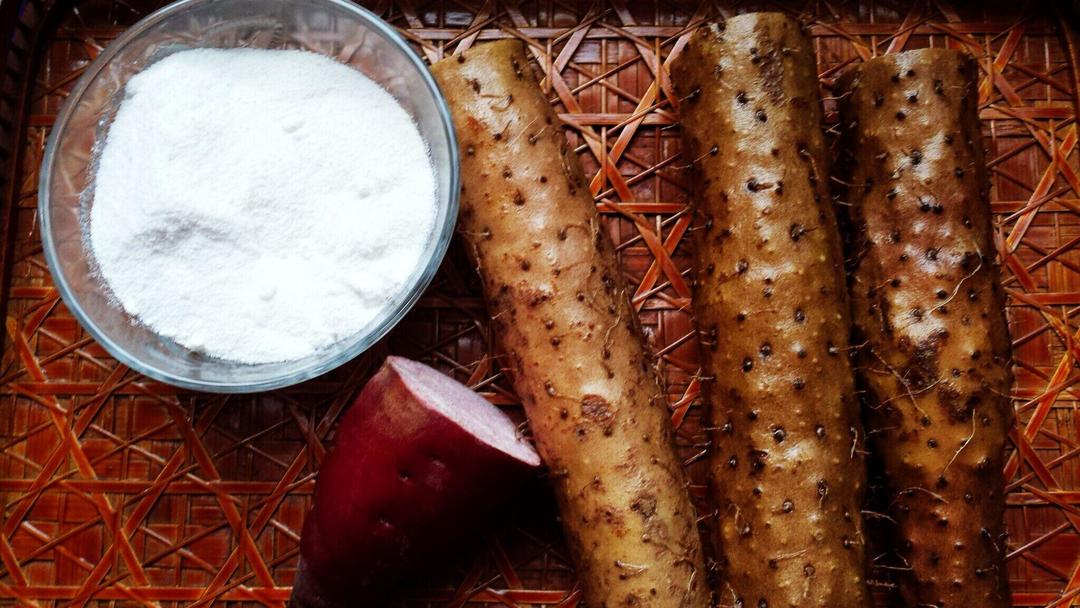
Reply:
x=117, y=489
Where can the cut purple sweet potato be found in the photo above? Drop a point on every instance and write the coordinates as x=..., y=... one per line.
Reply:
x=416, y=460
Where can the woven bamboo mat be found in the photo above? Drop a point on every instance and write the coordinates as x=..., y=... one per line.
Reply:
x=116, y=490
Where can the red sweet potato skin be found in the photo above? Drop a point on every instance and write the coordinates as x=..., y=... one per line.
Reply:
x=401, y=484
x=575, y=351
x=787, y=467
x=928, y=305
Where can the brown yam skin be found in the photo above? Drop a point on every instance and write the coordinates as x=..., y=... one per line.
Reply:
x=787, y=467
x=575, y=350
x=927, y=303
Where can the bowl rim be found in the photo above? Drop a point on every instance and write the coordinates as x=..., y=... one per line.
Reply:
x=441, y=234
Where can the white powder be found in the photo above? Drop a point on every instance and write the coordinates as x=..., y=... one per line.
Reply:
x=258, y=205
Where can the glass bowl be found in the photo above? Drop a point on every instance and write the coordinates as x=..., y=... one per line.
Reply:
x=335, y=28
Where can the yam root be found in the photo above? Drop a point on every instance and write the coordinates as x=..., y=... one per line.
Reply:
x=787, y=467
x=574, y=347
x=928, y=305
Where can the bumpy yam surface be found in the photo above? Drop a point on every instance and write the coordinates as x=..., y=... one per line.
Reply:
x=770, y=301
x=575, y=351
x=928, y=304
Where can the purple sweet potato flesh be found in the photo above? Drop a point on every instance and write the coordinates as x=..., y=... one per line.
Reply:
x=418, y=462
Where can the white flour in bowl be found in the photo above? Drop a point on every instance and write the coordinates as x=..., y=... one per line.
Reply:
x=258, y=205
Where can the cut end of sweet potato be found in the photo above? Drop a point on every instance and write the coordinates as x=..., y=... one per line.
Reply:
x=465, y=408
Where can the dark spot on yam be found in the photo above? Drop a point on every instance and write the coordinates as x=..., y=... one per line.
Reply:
x=779, y=434
x=913, y=98
x=741, y=97
x=765, y=350
x=757, y=460
x=799, y=315
x=733, y=462
x=788, y=506
x=760, y=116
x=741, y=266
x=519, y=198
x=598, y=410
